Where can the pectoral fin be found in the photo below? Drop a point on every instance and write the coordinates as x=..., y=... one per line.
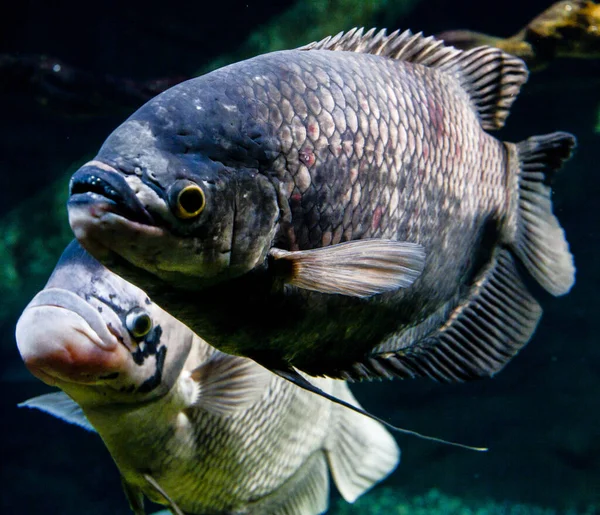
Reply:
x=172, y=505
x=359, y=268
x=61, y=406
x=135, y=497
x=228, y=383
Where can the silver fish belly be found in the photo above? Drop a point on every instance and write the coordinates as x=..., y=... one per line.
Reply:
x=338, y=208
x=188, y=426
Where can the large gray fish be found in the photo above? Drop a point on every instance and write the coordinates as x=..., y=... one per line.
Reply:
x=187, y=425
x=339, y=208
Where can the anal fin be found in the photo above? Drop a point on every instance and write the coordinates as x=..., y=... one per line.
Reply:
x=481, y=335
x=305, y=492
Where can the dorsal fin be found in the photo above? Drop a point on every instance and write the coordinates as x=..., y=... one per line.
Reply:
x=491, y=77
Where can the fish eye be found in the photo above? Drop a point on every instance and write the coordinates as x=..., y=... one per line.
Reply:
x=187, y=199
x=138, y=323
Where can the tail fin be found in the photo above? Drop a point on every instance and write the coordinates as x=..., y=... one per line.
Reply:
x=361, y=452
x=540, y=240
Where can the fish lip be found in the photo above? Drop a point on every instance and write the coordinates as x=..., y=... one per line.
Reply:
x=74, y=354
x=92, y=184
x=66, y=299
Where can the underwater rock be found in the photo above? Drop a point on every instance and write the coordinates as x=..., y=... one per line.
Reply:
x=570, y=28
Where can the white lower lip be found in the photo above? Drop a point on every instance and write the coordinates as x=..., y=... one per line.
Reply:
x=58, y=345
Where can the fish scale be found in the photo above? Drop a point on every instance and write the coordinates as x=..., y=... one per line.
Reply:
x=250, y=439
x=315, y=222
x=255, y=450
x=353, y=199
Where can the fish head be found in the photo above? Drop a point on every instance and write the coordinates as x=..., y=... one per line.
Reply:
x=99, y=338
x=178, y=191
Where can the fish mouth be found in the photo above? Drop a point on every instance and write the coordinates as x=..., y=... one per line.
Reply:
x=70, y=301
x=59, y=342
x=96, y=182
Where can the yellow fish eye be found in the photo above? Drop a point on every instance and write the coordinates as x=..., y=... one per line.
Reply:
x=190, y=201
x=138, y=323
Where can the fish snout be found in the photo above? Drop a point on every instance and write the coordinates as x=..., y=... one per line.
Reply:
x=59, y=344
x=97, y=183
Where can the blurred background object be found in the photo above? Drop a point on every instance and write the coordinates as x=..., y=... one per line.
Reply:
x=570, y=29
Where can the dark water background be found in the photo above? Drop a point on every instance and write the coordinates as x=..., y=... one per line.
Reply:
x=540, y=416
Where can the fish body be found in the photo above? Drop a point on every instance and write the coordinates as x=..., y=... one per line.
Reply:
x=339, y=208
x=188, y=426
